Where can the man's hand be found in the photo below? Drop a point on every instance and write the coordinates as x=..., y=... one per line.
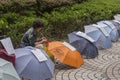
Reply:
x=44, y=38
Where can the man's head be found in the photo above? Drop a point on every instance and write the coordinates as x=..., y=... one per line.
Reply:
x=37, y=25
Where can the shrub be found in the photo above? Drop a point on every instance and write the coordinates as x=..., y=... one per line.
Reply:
x=14, y=25
x=64, y=20
x=38, y=6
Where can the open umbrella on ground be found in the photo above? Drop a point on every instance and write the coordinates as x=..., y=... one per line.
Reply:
x=48, y=53
x=102, y=39
x=83, y=44
x=66, y=53
x=7, y=71
x=117, y=25
x=28, y=66
x=110, y=28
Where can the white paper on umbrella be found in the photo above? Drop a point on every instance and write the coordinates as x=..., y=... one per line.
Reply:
x=117, y=17
x=79, y=33
x=110, y=24
x=101, y=24
x=69, y=46
x=89, y=28
x=116, y=21
x=39, y=55
x=7, y=44
x=102, y=29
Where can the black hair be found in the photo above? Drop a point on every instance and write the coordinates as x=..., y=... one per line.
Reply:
x=37, y=24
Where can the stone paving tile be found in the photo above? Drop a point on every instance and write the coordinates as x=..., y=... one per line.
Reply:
x=104, y=67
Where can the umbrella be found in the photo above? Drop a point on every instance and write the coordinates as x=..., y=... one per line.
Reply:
x=102, y=40
x=7, y=71
x=28, y=66
x=66, y=53
x=110, y=28
x=117, y=25
x=48, y=53
x=83, y=45
x=45, y=48
x=6, y=56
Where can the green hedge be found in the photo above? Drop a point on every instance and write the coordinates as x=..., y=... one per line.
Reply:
x=60, y=21
x=36, y=6
x=14, y=25
x=67, y=19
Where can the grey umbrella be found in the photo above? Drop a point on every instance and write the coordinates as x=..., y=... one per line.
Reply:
x=117, y=25
x=7, y=71
x=110, y=28
x=102, y=41
x=83, y=45
x=28, y=66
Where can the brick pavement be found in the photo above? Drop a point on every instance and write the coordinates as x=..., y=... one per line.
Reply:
x=104, y=67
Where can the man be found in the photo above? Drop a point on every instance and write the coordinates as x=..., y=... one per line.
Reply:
x=30, y=37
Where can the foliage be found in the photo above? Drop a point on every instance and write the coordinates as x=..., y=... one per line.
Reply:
x=38, y=6
x=14, y=25
x=64, y=20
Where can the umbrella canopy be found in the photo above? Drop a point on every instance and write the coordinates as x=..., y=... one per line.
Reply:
x=83, y=45
x=7, y=71
x=117, y=25
x=102, y=40
x=110, y=28
x=6, y=56
x=66, y=53
x=48, y=53
x=28, y=66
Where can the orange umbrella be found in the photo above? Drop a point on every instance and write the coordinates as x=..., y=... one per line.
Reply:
x=66, y=53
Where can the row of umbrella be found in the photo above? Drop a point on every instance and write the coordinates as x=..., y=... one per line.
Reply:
x=96, y=36
x=104, y=32
x=23, y=63
x=86, y=44
x=81, y=45
x=29, y=67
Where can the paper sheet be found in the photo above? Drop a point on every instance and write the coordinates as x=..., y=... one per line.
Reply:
x=117, y=17
x=110, y=24
x=79, y=33
x=116, y=21
x=7, y=44
x=69, y=46
x=39, y=55
x=89, y=28
x=102, y=29
x=101, y=24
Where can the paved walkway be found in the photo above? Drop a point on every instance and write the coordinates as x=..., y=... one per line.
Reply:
x=104, y=67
